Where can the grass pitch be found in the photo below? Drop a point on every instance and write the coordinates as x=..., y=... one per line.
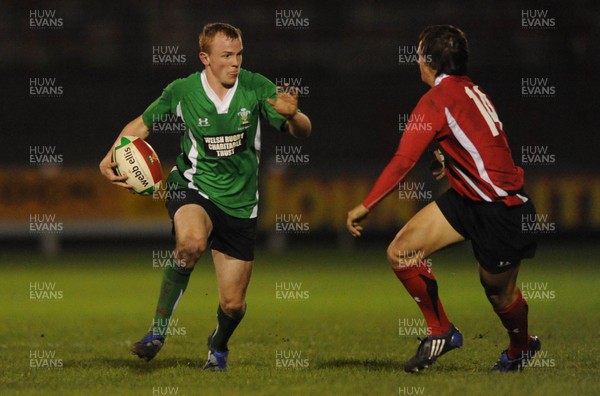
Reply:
x=319, y=322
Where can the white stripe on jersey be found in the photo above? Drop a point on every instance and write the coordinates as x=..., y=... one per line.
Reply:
x=473, y=185
x=179, y=112
x=468, y=145
x=257, y=148
x=189, y=173
x=522, y=198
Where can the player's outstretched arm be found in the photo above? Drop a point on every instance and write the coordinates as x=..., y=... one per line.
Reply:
x=286, y=104
x=299, y=125
x=107, y=166
x=355, y=216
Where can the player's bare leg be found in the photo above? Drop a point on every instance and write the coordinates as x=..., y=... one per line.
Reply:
x=233, y=277
x=192, y=229
x=510, y=306
x=425, y=233
x=500, y=289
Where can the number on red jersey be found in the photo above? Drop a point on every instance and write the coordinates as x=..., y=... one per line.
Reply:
x=485, y=108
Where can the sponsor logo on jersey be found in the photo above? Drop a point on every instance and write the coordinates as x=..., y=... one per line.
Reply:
x=203, y=122
x=224, y=145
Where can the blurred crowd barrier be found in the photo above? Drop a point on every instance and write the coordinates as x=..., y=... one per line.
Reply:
x=80, y=202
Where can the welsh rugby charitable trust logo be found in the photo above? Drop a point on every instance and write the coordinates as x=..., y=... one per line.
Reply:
x=227, y=145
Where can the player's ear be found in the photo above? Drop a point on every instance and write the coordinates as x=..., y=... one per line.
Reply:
x=203, y=56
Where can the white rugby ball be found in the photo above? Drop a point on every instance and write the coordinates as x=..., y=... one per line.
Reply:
x=137, y=159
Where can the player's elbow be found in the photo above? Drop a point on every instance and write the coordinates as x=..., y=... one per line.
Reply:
x=300, y=127
x=137, y=127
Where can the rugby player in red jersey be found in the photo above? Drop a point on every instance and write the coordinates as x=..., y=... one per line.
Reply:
x=486, y=202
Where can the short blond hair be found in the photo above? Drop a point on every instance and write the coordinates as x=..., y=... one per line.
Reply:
x=210, y=30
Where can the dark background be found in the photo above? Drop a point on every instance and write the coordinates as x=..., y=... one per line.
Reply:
x=348, y=56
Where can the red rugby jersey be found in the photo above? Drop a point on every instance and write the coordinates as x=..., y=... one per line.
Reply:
x=462, y=119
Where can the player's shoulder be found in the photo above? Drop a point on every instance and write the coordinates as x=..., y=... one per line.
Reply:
x=253, y=80
x=446, y=90
x=450, y=84
x=183, y=85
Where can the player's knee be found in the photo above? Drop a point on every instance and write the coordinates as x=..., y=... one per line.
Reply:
x=392, y=256
x=499, y=301
x=499, y=298
x=234, y=308
x=403, y=254
x=190, y=249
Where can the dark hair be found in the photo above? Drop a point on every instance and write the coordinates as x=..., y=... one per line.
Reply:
x=445, y=49
x=210, y=31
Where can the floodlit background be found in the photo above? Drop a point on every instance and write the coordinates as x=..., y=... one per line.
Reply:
x=75, y=72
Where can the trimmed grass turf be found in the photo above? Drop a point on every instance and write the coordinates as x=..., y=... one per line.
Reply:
x=346, y=325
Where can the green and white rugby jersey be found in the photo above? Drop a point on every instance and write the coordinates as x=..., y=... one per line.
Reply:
x=221, y=144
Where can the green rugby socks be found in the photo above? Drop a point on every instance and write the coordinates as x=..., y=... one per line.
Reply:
x=174, y=282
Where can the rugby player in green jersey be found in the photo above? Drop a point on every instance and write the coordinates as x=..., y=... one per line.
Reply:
x=213, y=191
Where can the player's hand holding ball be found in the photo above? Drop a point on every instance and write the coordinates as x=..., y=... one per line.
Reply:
x=107, y=168
x=134, y=165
